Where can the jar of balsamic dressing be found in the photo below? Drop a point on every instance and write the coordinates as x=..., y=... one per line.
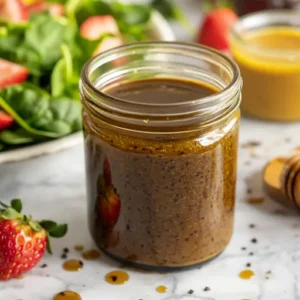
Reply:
x=161, y=127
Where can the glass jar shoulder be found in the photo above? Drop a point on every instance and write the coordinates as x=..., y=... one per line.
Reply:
x=193, y=142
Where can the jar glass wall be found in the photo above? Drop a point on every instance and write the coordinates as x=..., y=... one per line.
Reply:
x=161, y=174
x=266, y=47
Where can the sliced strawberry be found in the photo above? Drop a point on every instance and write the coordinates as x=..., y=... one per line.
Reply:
x=5, y=120
x=11, y=73
x=216, y=29
x=13, y=11
x=94, y=27
x=55, y=9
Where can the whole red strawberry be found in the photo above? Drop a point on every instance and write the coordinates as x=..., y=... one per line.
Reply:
x=23, y=241
x=216, y=29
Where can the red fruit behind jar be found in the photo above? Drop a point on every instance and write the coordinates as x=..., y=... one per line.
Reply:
x=216, y=28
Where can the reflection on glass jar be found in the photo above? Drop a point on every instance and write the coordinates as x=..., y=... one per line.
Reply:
x=161, y=131
x=266, y=47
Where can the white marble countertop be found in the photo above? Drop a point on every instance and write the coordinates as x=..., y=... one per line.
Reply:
x=54, y=187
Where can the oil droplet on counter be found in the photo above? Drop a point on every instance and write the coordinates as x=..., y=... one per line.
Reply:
x=79, y=248
x=256, y=201
x=117, y=277
x=246, y=274
x=73, y=265
x=91, y=254
x=67, y=295
x=161, y=289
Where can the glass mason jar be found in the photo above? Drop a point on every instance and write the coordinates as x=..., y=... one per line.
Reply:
x=161, y=176
x=266, y=47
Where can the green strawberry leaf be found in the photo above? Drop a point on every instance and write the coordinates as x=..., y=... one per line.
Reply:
x=10, y=214
x=16, y=204
x=48, y=224
x=48, y=246
x=35, y=226
x=58, y=231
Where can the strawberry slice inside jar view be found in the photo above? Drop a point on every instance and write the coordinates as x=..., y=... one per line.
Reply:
x=161, y=152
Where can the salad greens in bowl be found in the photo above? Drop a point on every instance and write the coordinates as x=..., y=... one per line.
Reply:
x=43, y=47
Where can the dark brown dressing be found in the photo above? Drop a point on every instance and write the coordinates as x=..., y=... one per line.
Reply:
x=156, y=202
x=161, y=91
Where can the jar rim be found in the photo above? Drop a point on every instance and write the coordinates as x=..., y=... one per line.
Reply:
x=206, y=109
x=191, y=46
x=267, y=19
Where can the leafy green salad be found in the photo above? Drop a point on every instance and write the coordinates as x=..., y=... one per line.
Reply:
x=43, y=47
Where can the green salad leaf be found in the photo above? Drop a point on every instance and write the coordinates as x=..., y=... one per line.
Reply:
x=18, y=136
x=132, y=19
x=45, y=36
x=37, y=45
x=51, y=47
x=39, y=114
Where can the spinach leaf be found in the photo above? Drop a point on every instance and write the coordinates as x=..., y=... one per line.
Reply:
x=37, y=45
x=2, y=146
x=62, y=72
x=10, y=39
x=38, y=114
x=45, y=37
x=66, y=73
x=16, y=137
x=131, y=14
x=67, y=111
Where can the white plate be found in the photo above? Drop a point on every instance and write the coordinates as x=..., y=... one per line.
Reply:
x=159, y=29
